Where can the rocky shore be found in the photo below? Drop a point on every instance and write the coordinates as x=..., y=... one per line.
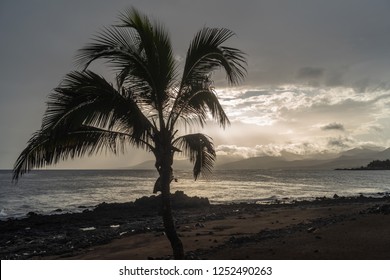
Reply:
x=67, y=235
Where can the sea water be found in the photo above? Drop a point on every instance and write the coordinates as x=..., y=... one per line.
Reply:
x=59, y=191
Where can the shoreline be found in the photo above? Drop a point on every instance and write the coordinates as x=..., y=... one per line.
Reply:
x=119, y=231
x=260, y=201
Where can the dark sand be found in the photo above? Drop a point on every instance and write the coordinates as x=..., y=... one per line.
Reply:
x=342, y=228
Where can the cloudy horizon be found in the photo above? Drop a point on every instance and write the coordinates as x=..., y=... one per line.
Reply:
x=318, y=71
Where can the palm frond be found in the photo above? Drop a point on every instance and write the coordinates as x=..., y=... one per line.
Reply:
x=85, y=98
x=85, y=114
x=207, y=54
x=49, y=146
x=121, y=48
x=196, y=103
x=156, y=46
x=141, y=52
x=117, y=45
x=200, y=150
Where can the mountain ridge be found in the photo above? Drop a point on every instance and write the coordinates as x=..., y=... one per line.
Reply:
x=353, y=158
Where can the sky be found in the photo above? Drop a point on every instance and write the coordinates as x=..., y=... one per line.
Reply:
x=318, y=71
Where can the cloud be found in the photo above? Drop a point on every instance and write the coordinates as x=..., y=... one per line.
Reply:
x=376, y=128
x=299, y=119
x=306, y=105
x=236, y=151
x=341, y=142
x=254, y=93
x=304, y=148
x=310, y=73
x=333, y=126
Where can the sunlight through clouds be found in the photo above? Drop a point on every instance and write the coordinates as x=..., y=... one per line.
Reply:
x=306, y=120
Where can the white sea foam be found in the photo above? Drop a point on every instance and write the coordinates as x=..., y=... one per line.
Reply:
x=3, y=213
x=87, y=228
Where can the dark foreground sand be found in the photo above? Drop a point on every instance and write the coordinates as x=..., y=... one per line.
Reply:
x=343, y=228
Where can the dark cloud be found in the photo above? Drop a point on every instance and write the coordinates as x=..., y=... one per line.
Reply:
x=310, y=73
x=333, y=126
x=335, y=78
x=341, y=142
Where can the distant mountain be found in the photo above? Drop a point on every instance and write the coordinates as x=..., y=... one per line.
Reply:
x=266, y=162
x=185, y=164
x=384, y=154
x=177, y=164
x=349, y=159
x=291, y=156
x=144, y=165
x=353, y=158
x=226, y=159
x=359, y=152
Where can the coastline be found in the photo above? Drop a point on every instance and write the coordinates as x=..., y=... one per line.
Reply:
x=327, y=228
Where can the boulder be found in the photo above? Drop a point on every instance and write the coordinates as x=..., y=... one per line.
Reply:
x=179, y=200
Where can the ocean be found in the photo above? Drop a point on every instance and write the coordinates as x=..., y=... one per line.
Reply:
x=59, y=191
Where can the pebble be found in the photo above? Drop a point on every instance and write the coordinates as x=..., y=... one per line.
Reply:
x=311, y=229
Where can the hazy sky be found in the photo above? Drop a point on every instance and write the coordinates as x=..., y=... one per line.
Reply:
x=318, y=71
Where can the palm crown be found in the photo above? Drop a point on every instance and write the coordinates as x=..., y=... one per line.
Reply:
x=86, y=113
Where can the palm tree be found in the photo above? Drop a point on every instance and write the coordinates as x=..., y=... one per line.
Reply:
x=145, y=108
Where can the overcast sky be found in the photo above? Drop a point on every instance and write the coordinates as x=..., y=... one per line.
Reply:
x=318, y=71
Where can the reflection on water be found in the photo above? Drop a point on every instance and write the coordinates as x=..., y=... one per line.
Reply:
x=46, y=191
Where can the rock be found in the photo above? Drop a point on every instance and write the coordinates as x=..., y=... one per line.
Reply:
x=150, y=202
x=311, y=229
x=382, y=209
x=179, y=200
x=186, y=228
x=32, y=214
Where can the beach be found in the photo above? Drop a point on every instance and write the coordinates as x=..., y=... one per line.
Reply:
x=326, y=228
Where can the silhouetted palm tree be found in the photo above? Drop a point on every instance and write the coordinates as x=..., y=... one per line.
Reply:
x=86, y=114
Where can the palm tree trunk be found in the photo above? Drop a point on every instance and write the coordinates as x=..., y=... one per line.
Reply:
x=169, y=225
